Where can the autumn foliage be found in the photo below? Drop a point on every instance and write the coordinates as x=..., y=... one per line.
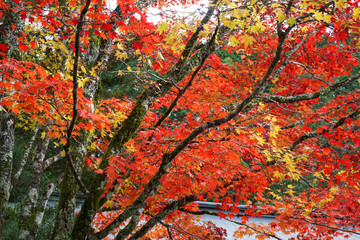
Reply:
x=242, y=102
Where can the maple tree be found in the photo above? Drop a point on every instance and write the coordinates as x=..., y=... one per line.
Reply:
x=279, y=110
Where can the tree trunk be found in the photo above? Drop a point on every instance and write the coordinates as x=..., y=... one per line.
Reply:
x=28, y=220
x=65, y=216
x=6, y=157
x=7, y=121
x=129, y=127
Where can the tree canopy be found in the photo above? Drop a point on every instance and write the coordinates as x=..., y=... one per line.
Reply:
x=238, y=102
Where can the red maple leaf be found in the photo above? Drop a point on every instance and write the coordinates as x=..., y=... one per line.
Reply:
x=137, y=45
x=3, y=47
x=23, y=47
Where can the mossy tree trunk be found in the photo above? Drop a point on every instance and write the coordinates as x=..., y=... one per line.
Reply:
x=65, y=216
x=6, y=157
x=7, y=121
x=28, y=220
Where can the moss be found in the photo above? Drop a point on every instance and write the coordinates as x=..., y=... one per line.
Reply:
x=30, y=221
x=95, y=39
x=98, y=94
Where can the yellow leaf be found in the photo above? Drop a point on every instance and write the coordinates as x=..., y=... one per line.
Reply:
x=290, y=192
x=247, y=40
x=307, y=211
x=327, y=18
x=356, y=13
x=120, y=55
x=233, y=41
x=340, y=3
x=334, y=189
x=281, y=17
x=229, y=23
x=108, y=204
x=162, y=27
x=296, y=177
x=43, y=135
x=291, y=21
x=319, y=16
x=279, y=175
x=120, y=46
x=318, y=174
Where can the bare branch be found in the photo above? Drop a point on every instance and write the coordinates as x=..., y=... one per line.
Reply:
x=331, y=227
x=25, y=158
x=52, y=160
x=46, y=195
x=254, y=229
x=167, y=226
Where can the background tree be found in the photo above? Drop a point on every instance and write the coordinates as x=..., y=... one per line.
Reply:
x=249, y=102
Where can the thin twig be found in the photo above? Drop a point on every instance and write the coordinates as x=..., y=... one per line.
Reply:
x=254, y=229
x=331, y=227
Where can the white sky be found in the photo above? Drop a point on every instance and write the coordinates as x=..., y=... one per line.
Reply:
x=154, y=13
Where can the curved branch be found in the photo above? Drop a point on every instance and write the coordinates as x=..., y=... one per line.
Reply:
x=52, y=160
x=70, y=128
x=161, y=215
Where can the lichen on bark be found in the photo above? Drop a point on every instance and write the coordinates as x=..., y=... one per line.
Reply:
x=6, y=157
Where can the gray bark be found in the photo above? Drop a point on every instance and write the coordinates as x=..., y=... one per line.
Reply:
x=24, y=160
x=44, y=200
x=6, y=119
x=28, y=220
x=6, y=157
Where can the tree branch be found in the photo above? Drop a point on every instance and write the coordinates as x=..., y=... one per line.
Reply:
x=25, y=158
x=52, y=160
x=167, y=226
x=161, y=215
x=75, y=98
x=254, y=229
x=131, y=124
x=182, y=91
x=331, y=227
x=308, y=96
x=312, y=134
x=45, y=198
